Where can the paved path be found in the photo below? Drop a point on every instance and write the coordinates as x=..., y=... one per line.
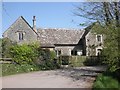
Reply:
x=64, y=78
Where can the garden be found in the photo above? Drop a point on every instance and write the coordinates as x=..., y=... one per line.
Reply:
x=26, y=58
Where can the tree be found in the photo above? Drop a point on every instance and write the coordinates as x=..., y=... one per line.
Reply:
x=104, y=12
x=108, y=15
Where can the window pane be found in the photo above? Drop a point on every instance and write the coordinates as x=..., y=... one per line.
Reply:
x=20, y=36
x=59, y=52
x=99, y=38
x=72, y=53
x=75, y=52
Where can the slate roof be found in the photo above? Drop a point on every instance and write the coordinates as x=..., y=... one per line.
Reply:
x=52, y=36
x=59, y=36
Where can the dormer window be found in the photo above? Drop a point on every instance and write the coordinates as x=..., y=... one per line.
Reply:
x=20, y=35
x=99, y=38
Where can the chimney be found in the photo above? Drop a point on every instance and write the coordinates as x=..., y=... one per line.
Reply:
x=34, y=24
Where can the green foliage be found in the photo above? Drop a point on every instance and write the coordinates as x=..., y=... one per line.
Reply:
x=23, y=54
x=65, y=60
x=93, y=61
x=52, y=55
x=29, y=57
x=6, y=45
x=47, y=59
x=77, y=61
x=9, y=69
x=106, y=82
x=111, y=50
x=73, y=61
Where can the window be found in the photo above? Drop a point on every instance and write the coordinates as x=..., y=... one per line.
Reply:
x=99, y=38
x=59, y=52
x=99, y=51
x=75, y=52
x=20, y=36
x=72, y=53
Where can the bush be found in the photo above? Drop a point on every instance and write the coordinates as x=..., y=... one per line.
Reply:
x=47, y=59
x=64, y=60
x=52, y=55
x=106, y=82
x=77, y=61
x=6, y=45
x=73, y=61
x=93, y=61
x=23, y=54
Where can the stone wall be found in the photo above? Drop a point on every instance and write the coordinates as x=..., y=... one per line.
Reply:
x=92, y=44
x=66, y=50
x=20, y=26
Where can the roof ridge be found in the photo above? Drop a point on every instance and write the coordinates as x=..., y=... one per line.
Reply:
x=60, y=29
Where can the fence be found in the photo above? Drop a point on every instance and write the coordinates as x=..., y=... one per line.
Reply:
x=5, y=60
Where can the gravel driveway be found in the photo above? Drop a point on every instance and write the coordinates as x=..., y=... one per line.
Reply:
x=64, y=78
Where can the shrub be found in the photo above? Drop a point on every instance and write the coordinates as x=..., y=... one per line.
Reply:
x=52, y=55
x=73, y=61
x=47, y=59
x=106, y=82
x=93, y=61
x=65, y=60
x=23, y=54
x=6, y=45
x=77, y=61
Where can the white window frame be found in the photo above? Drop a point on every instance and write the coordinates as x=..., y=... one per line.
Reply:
x=97, y=50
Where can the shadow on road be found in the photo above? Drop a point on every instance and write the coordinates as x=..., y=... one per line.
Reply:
x=79, y=73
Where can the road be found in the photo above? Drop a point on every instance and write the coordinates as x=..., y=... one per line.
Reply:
x=63, y=78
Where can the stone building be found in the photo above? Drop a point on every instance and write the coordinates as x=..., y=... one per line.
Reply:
x=62, y=41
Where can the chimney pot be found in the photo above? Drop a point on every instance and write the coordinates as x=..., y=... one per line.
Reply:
x=34, y=24
x=34, y=18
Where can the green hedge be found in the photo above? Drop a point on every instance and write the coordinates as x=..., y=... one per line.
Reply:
x=77, y=61
x=93, y=61
x=73, y=61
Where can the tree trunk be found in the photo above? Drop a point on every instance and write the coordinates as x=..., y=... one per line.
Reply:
x=117, y=14
x=106, y=12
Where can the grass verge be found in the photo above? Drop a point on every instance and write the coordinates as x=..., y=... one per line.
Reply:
x=106, y=82
x=10, y=69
